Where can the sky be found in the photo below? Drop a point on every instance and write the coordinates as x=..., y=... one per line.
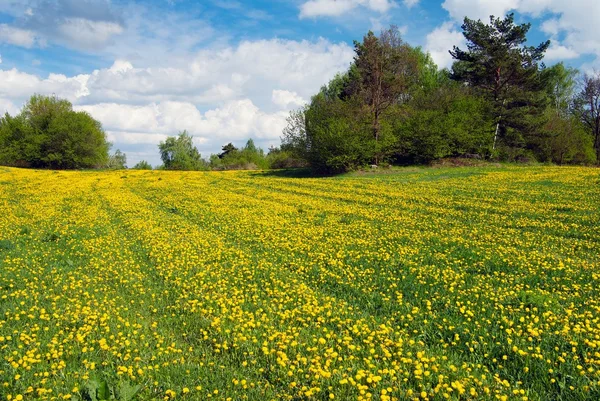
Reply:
x=230, y=70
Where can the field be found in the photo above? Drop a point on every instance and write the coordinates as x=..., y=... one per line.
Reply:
x=425, y=284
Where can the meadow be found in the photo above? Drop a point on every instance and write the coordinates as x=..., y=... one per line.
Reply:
x=423, y=284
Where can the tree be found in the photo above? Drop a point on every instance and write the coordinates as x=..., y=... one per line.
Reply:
x=443, y=121
x=385, y=68
x=179, y=153
x=117, y=161
x=142, y=165
x=566, y=140
x=227, y=149
x=501, y=67
x=560, y=83
x=48, y=133
x=588, y=106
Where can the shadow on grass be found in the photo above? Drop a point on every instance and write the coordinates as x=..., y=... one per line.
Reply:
x=292, y=173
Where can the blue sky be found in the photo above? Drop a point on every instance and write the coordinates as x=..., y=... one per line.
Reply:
x=228, y=70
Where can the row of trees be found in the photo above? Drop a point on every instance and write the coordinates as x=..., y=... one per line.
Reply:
x=498, y=101
x=392, y=106
x=179, y=153
x=48, y=133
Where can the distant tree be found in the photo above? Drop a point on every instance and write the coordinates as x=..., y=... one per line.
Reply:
x=117, y=161
x=588, y=107
x=249, y=157
x=560, y=83
x=215, y=162
x=227, y=149
x=48, y=133
x=179, y=153
x=566, y=140
x=250, y=146
x=142, y=165
x=501, y=67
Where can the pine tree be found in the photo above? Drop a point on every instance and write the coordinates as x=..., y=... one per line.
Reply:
x=506, y=71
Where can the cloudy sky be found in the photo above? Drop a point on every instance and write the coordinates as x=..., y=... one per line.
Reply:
x=229, y=70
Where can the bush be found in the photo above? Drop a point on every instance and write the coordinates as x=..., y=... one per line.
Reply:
x=142, y=165
x=49, y=134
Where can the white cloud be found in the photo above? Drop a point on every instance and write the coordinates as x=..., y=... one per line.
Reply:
x=410, y=3
x=87, y=34
x=284, y=99
x=6, y=106
x=573, y=21
x=557, y=52
x=479, y=9
x=223, y=94
x=0, y=59
x=334, y=8
x=17, y=36
x=82, y=25
x=441, y=40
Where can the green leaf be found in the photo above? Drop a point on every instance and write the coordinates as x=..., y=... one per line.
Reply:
x=127, y=391
x=103, y=392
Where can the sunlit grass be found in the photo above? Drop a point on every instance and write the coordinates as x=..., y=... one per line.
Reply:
x=478, y=283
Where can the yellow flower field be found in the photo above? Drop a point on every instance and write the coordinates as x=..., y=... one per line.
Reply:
x=425, y=284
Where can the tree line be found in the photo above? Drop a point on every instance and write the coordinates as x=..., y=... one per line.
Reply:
x=48, y=133
x=393, y=105
x=498, y=101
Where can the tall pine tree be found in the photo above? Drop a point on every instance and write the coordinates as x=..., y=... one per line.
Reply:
x=499, y=65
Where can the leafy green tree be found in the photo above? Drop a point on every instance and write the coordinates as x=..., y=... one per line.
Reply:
x=18, y=144
x=506, y=71
x=179, y=153
x=250, y=157
x=117, y=161
x=447, y=121
x=588, y=107
x=385, y=69
x=566, y=140
x=48, y=133
x=142, y=165
x=560, y=83
x=227, y=149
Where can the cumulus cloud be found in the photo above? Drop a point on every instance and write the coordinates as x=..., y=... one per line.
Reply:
x=334, y=8
x=557, y=52
x=88, y=34
x=285, y=99
x=441, y=40
x=479, y=9
x=571, y=24
x=411, y=3
x=83, y=25
x=16, y=36
x=224, y=94
x=141, y=127
x=6, y=106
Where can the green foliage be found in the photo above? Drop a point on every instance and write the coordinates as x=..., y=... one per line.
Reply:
x=117, y=161
x=142, y=165
x=250, y=157
x=101, y=390
x=448, y=121
x=283, y=159
x=505, y=71
x=565, y=140
x=49, y=134
x=227, y=149
x=179, y=153
x=587, y=107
